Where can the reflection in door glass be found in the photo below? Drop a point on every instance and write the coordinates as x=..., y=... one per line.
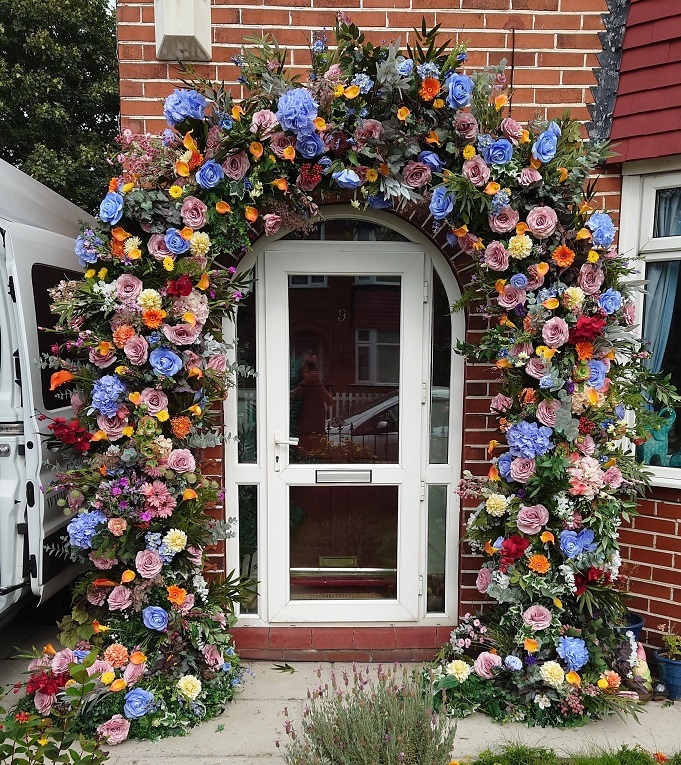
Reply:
x=248, y=542
x=246, y=401
x=343, y=542
x=344, y=340
x=442, y=367
x=437, y=547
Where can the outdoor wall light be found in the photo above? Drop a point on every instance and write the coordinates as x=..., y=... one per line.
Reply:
x=183, y=30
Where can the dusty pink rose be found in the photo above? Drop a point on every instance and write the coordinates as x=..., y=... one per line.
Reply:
x=137, y=350
x=155, y=400
x=97, y=596
x=532, y=518
x=333, y=72
x=546, y=412
x=264, y=121
x=555, y=332
x=585, y=444
x=511, y=130
x=537, y=617
x=272, y=223
x=280, y=141
x=112, y=426
x=476, y=170
x=212, y=656
x=77, y=401
x=466, y=125
x=119, y=598
x=416, y=174
x=181, y=461
x=188, y=604
x=217, y=363
x=522, y=469
x=41, y=662
x=101, y=360
x=193, y=212
x=485, y=664
x=504, y=221
x=483, y=580
x=590, y=278
x=115, y=730
x=467, y=242
x=133, y=672
x=220, y=618
x=117, y=526
x=367, y=130
x=542, y=221
x=535, y=278
x=181, y=334
x=148, y=563
x=500, y=403
x=511, y=297
x=529, y=177
x=99, y=667
x=102, y=563
x=158, y=248
x=44, y=702
x=191, y=359
x=128, y=288
x=61, y=660
x=496, y=256
x=613, y=477
x=536, y=368
x=195, y=303
x=522, y=349
x=236, y=166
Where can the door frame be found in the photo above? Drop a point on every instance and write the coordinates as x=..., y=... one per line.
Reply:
x=432, y=474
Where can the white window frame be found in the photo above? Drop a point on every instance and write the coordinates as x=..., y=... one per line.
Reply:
x=640, y=183
x=372, y=344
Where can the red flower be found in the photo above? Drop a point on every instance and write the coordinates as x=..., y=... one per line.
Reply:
x=511, y=549
x=582, y=581
x=587, y=328
x=70, y=432
x=180, y=287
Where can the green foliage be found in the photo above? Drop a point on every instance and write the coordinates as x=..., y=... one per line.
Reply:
x=520, y=754
x=672, y=644
x=59, y=93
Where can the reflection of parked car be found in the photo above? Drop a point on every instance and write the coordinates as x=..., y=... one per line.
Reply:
x=376, y=427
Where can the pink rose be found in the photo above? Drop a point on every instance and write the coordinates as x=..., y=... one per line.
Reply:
x=272, y=223
x=148, y=563
x=333, y=72
x=39, y=663
x=133, y=672
x=112, y=426
x=44, y=702
x=188, y=604
x=264, y=121
x=532, y=518
x=500, y=403
x=212, y=656
x=546, y=412
x=529, y=177
x=367, y=130
x=191, y=359
x=522, y=469
x=496, y=256
x=476, y=170
x=483, y=580
x=555, y=332
x=137, y=350
x=155, y=400
x=511, y=297
x=485, y=664
x=77, y=401
x=103, y=564
x=504, y=221
x=97, y=596
x=542, y=221
x=181, y=334
x=466, y=125
x=467, y=242
x=217, y=363
x=220, y=618
x=279, y=142
x=61, y=661
x=537, y=617
x=119, y=598
x=193, y=212
x=114, y=730
x=535, y=278
x=416, y=174
x=99, y=666
x=128, y=288
x=181, y=461
x=586, y=445
x=236, y=166
x=590, y=278
x=536, y=368
x=511, y=130
x=522, y=349
x=613, y=477
x=158, y=248
x=101, y=360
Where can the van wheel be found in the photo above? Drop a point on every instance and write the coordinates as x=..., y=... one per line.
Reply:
x=54, y=609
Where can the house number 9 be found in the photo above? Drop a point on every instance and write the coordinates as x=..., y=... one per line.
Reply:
x=341, y=314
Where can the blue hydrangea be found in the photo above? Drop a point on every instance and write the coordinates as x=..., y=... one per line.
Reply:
x=429, y=69
x=379, y=203
x=499, y=200
x=296, y=111
x=183, y=103
x=404, y=66
x=544, y=148
x=83, y=528
x=610, y=301
x=483, y=141
x=546, y=293
x=153, y=540
x=168, y=137
x=602, y=229
x=573, y=651
x=529, y=440
x=363, y=82
x=106, y=394
x=513, y=663
x=85, y=247
x=138, y=702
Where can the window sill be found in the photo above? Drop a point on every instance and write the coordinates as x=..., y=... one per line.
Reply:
x=665, y=477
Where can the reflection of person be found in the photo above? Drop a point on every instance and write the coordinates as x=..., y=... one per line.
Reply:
x=312, y=398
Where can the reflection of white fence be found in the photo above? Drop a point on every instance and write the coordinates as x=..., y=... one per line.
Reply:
x=345, y=403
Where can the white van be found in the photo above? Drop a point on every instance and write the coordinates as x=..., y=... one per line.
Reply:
x=37, y=232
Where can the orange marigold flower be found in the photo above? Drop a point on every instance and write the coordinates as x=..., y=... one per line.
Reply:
x=117, y=248
x=660, y=757
x=122, y=334
x=117, y=655
x=429, y=88
x=181, y=426
x=176, y=595
x=585, y=350
x=563, y=256
x=153, y=317
x=539, y=563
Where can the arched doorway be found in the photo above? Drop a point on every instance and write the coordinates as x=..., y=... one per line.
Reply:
x=350, y=436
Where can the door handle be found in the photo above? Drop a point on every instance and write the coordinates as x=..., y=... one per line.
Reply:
x=280, y=441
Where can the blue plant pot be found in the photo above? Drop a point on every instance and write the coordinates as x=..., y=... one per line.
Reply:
x=670, y=674
x=634, y=623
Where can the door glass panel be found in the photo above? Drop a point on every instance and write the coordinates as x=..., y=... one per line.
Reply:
x=343, y=542
x=441, y=374
x=437, y=547
x=248, y=542
x=667, y=213
x=344, y=340
x=246, y=400
x=344, y=230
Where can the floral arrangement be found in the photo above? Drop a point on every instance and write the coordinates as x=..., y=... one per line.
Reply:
x=385, y=129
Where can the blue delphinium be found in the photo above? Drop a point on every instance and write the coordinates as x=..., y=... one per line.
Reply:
x=610, y=301
x=602, y=229
x=363, y=82
x=164, y=362
x=296, y=109
x=184, y=103
x=544, y=148
x=441, y=203
x=320, y=45
x=85, y=247
x=111, y=208
x=106, y=394
x=83, y=528
x=529, y=440
x=137, y=703
x=459, y=90
x=573, y=652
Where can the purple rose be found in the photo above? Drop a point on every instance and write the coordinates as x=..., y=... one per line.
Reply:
x=181, y=461
x=536, y=368
x=532, y=518
x=148, y=563
x=368, y=130
x=279, y=142
x=555, y=332
x=119, y=598
x=193, y=212
x=112, y=426
x=44, y=702
x=500, y=403
x=476, y=170
x=529, y=177
x=546, y=412
x=97, y=596
x=137, y=350
x=128, y=288
x=496, y=256
x=101, y=360
x=155, y=400
x=542, y=221
x=236, y=166
x=158, y=248
x=483, y=580
x=504, y=221
x=537, y=617
x=590, y=278
x=522, y=469
x=416, y=174
x=511, y=297
x=272, y=223
x=485, y=664
x=466, y=125
x=181, y=334
x=511, y=130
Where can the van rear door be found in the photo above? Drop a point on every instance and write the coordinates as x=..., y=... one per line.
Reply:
x=37, y=260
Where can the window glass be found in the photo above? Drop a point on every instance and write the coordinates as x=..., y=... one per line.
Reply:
x=437, y=547
x=344, y=230
x=248, y=541
x=667, y=213
x=247, y=406
x=441, y=373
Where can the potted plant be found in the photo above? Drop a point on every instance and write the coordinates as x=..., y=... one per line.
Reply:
x=630, y=621
x=669, y=661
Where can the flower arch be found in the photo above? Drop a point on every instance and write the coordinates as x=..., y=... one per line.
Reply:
x=401, y=130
